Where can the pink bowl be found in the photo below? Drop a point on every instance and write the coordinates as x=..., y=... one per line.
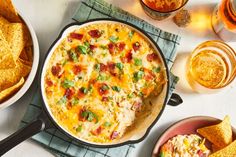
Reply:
x=186, y=126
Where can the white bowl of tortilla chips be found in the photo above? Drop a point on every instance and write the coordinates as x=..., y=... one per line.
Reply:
x=19, y=54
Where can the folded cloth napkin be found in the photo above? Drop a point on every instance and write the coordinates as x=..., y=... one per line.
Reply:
x=63, y=145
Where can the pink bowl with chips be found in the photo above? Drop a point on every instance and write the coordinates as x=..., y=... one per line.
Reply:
x=33, y=71
x=186, y=126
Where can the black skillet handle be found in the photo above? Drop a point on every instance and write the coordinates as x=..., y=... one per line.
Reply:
x=21, y=135
x=175, y=100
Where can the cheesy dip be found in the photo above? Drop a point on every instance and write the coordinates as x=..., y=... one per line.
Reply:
x=97, y=78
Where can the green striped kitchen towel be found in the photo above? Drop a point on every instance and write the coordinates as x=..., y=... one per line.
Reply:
x=63, y=145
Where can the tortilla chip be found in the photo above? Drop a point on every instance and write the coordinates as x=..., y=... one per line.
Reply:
x=29, y=52
x=214, y=148
x=8, y=11
x=220, y=135
x=3, y=21
x=6, y=56
x=23, y=55
x=25, y=62
x=27, y=37
x=14, y=35
x=9, y=77
x=229, y=151
x=10, y=91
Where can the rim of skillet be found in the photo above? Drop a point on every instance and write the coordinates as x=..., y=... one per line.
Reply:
x=77, y=138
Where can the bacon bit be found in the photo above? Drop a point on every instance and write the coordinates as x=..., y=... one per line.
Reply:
x=136, y=106
x=97, y=131
x=111, y=48
x=114, y=135
x=69, y=93
x=49, y=82
x=76, y=36
x=128, y=57
x=148, y=75
x=105, y=99
x=152, y=57
x=112, y=68
x=92, y=47
x=77, y=69
x=80, y=94
x=101, y=89
x=56, y=70
x=95, y=33
x=69, y=106
x=136, y=46
x=92, y=81
x=121, y=46
x=103, y=67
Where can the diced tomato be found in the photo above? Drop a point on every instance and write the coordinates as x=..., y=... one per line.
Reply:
x=76, y=36
x=102, y=89
x=127, y=58
x=152, y=57
x=201, y=154
x=77, y=69
x=111, y=48
x=114, y=135
x=97, y=131
x=92, y=81
x=56, y=70
x=49, y=82
x=121, y=46
x=95, y=33
x=103, y=67
x=136, y=46
x=69, y=93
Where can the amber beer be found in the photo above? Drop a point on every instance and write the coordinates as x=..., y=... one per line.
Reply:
x=164, y=5
x=211, y=66
x=224, y=20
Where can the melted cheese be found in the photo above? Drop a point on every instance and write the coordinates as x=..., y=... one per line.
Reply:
x=90, y=102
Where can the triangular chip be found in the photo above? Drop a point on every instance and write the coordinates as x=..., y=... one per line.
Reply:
x=23, y=55
x=8, y=11
x=9, y=77
x=27, y=37
x=215, y=148
x=11, y=90
x=228, y=151
x=220, y=134
x=3, y=21
x=14, y=35
x=6, y=56
x=25, y=62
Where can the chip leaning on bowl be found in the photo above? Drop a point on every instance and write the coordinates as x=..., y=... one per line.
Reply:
x=15, y=51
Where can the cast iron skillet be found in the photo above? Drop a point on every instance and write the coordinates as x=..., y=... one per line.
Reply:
x=45, y=120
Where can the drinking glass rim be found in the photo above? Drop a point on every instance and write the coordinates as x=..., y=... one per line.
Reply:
x=165, y=11
x=233, y=76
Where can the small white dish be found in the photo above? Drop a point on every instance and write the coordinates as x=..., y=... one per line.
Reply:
x=33, y=71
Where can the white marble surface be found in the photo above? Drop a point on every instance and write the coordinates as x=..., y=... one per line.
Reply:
x=49, y=16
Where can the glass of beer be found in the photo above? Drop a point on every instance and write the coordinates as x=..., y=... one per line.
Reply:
x=211, y=66
x=162, y=9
